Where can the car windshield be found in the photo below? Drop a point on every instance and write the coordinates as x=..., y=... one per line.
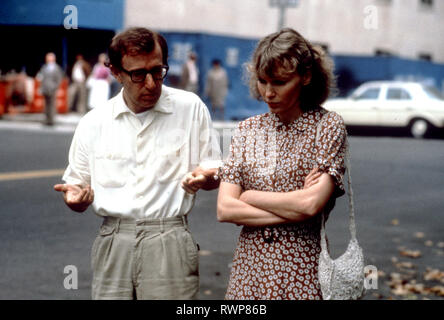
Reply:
x=433, y=93
x=368, y=94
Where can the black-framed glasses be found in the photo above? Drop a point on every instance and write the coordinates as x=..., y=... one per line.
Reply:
x=139, y=75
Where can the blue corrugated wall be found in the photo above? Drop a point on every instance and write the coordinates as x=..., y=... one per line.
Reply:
x=354, y=70
x=235, y=52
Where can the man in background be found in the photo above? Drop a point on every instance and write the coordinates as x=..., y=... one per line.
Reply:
x=77, y=94
x=216, y=89
x=190, y=74
x=50, y=76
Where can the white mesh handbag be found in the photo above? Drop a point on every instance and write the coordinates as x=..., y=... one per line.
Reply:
x=342, y=278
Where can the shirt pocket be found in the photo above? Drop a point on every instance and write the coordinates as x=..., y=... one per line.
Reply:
x=111, y=170
x=172, y=163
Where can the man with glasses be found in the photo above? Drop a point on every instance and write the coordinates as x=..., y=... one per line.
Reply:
x=139, y=160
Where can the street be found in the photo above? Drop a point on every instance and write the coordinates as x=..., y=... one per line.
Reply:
x=399, y=205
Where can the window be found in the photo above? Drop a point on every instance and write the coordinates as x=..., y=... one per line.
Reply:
x=433, y=93
x=384, y=2
x=425, y=56
x=426, y=3
x=398, y=94
x=372, y=94
x=383, y=53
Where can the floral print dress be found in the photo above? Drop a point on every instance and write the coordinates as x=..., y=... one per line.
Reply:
x=281, y=262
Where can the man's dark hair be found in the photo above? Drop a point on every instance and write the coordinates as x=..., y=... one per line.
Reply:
x=216, y=62
x=135, y=41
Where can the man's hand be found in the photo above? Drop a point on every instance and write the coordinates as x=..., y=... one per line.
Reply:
x=200, y=179
x=312, y=178
x=192, y=183
x=76, y=197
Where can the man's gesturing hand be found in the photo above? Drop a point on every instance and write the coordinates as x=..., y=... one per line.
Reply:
x=77, y=197
x=192, y=183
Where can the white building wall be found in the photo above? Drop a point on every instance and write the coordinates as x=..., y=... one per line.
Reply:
x=244, y=18
x=357, y=27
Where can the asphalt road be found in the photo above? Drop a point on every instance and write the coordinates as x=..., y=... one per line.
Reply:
x=399, y=202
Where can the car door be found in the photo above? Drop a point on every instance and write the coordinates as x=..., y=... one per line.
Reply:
x=396, y=108
x=364, y=108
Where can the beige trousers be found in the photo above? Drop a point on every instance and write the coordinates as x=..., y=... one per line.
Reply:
x=145, y=259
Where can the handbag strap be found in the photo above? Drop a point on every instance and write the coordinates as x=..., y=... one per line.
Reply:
x=349, y=190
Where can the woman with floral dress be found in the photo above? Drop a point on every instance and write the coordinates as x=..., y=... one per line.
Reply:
x=279, y=175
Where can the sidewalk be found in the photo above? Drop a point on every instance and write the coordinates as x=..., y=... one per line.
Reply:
x=66, y=122
x=34, y=122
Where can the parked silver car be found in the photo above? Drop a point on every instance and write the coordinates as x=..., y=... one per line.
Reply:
x=412, y=105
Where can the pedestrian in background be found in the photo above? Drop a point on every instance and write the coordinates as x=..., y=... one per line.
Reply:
x=77, y=94
x=50, y=76
x=216, y=89
x=139, y=159
x=189, y=80
x=99, y=83
x=277, y=179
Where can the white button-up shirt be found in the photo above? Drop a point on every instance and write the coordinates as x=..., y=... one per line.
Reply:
x=136, y=169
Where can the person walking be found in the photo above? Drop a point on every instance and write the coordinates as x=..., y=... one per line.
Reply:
x=50, y=76
x=99, y=83
x=278, y=177
x=216, y=89
x=189, y=80
x=139, y=160
x=77, y=90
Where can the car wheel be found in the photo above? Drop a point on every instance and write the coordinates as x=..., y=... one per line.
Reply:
x=419, y=128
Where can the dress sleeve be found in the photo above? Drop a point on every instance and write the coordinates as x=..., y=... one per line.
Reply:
x=232, y=169
x=331, y=149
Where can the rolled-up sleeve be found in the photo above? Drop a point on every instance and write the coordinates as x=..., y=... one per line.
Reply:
x=78, y=170
x=209, y=148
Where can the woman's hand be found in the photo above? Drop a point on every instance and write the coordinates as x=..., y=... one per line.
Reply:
x=297, y=205
x=231, y=209
x=312, y=178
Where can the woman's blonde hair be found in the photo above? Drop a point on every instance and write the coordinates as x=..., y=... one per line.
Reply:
x=287, y=49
